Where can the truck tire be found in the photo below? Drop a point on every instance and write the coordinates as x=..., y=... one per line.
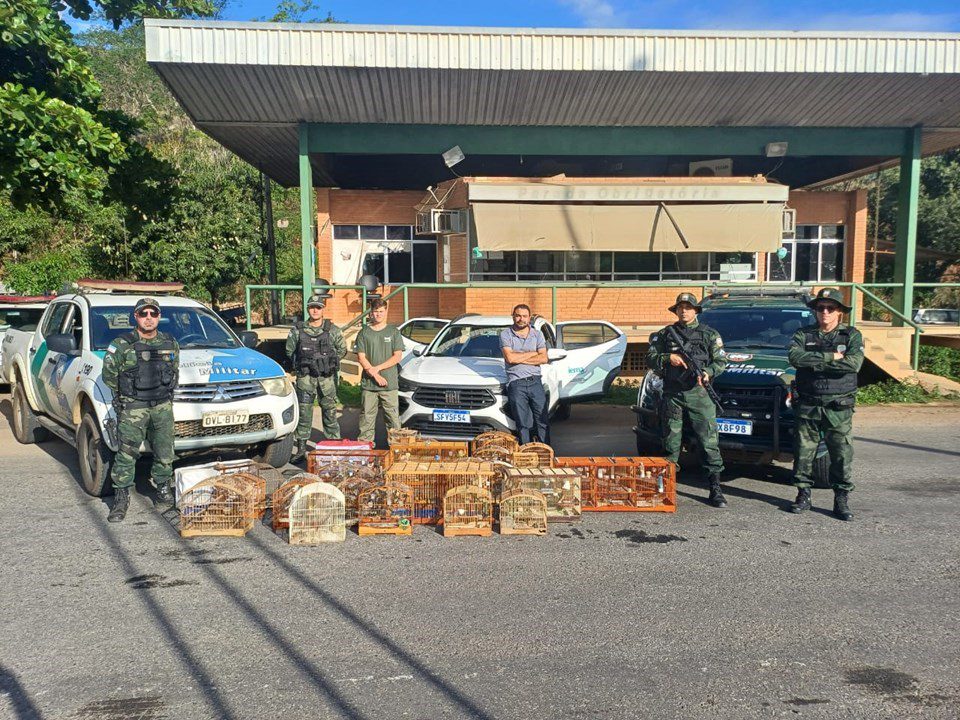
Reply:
x=94, y=456
x=821, y=471
x=275, y=453
x=26, y=428
x=647, y=447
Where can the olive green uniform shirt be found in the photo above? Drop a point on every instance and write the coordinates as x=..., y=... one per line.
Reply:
x=120, y=356
x=379, y=346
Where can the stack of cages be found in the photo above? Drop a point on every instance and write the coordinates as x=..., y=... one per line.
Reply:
x=626, y=484
x=280, y=511
x=559, y=486
x=266, y=477
x=401, y=436
x=494, y=453
x=316, y=515
x=225, y=505
x=523, y=512
x=430, y=482
x=385, y=509
x=428, y=450
x=544, y=453
x=496, y=438
x=355, y=452
x=523, y=459
x=467, y=510
x=352, y=480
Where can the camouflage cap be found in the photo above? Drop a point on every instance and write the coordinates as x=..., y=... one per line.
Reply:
x=317, y=301
x=686, y=298
x=829, y=293
x=146, y=302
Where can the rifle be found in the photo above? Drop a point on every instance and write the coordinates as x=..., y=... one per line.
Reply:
x=112, y=424
x=693, y=366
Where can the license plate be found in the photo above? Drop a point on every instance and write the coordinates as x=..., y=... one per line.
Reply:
x=223, y=418
x=735, y=427
x=457, y=416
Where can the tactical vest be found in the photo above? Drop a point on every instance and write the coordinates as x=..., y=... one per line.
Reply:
x=696, y=344
x=154, y=376
x=818, y=383
x=316, y=355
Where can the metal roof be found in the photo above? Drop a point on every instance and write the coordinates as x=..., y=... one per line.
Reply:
x=249, y=84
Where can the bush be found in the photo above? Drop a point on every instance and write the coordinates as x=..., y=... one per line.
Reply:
x=892, y=391
x=941, y=361
x=47, y=272
x=349, y=394
x=622, y=393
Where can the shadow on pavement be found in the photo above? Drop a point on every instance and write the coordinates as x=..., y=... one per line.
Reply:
x=893, y=443
x=10, y=687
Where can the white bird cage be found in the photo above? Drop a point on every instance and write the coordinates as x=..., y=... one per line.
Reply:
x=316, y=515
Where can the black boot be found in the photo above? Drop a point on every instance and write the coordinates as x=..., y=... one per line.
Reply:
x=716, y=494
x=802, y=503
x=164, y=496
x=840, y=507
x=299, y=451
x=121, y=502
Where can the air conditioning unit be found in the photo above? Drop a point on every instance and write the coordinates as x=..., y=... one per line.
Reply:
x=789, y=222
x=712, y=168
x=441, y=222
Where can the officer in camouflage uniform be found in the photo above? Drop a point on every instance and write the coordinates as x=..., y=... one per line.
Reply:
x=827, y=357
x=316, y=349
x=684, y=393
x=141, y=368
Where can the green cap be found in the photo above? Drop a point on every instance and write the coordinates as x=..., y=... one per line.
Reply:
x=830, y=293
x=686, y=298
x=146, y=303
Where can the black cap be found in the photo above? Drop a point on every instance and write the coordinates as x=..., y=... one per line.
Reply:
x=686, y=298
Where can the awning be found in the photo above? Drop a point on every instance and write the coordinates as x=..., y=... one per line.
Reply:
x=658, y=227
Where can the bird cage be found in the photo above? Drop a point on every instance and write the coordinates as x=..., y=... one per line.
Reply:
x=426, y=450
x=385, y=509
x=560, y=487
x=316, y=515
x=543, y=452
x=497, y=438
x=625, y=484
x=353, y=482
x=493, y=453
x=284, y=494
x=500, y=469
x=345, y=451
x=523, y=459
x=431, y=480
x=224, y=505
x=523, y=512
x=467, y=510
x=402, y=436
x=267, y=478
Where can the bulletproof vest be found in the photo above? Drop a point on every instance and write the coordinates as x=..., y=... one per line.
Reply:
x=154, y=376
x=696, y=345
x=817, y=383
x=316, y=355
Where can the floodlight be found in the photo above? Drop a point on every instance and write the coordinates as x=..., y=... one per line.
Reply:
x=453, y=156
x=776, y=149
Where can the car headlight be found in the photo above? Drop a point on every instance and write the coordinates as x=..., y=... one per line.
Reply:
x=406, y=385
x=651, y=383
x=280, y=386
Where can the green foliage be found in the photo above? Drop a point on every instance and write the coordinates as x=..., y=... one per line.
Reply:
x=348, y=394
x=623, y=392
x=48, y=272
x=941, y=361
x=892, y=391
x=295, y=11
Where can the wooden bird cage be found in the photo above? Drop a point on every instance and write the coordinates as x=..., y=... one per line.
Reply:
x=543, y=452
x=353, y=484
x=523, y=512
x=385, y=509
x=560, y=487
x=427, y=450
x=494, y=453
x=522, y=459
x=467, y=510
x=280, y=513
x=625, y=484
x=363, y=455
x=430, y=482
x=402, y=436
x=316, y=515
x=267, y=478
x=221, y=506
x=497, y=438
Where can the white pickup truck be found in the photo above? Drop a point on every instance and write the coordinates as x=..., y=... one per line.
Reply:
x=18, y=312
x=229, y=395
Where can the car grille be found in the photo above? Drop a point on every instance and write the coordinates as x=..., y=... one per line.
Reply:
x=428, y=427
x=219, y=392
x=454, y=398
x=750, y=399
x=195, y=429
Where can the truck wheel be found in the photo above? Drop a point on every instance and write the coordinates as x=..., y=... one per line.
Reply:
x=26, y=427
x=647, y=447
x=821, y=471
x=94, y=456
x=276, y=453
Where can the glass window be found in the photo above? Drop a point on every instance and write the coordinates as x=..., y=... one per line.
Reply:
x=637, y=265
x=581, y=335
x=831, y=232
x=191, y=327
x=373, y=264
x=423, y=331
x=808, y=232
x=345, y=232
x=544, y=264
x=589, y=265
x=372, y=232
x=400, y=265
x=54, y=321
x=780, y=270
x=399, y=232
x=548, y=337
x=468, y=341
x=424, y=262
x=831, y=261
x=692, y=265
x=733, y=266
x=815, y=256
x=757, y=328
x=25, y=319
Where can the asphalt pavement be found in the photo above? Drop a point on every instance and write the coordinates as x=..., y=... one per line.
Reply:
x=746, y=612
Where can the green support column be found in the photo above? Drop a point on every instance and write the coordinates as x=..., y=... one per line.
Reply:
x=307, y=215
x=906, y=250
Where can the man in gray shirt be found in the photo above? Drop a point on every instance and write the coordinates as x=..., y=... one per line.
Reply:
x=524, y=351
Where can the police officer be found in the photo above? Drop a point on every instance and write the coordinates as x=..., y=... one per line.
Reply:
x=683, y=391
x=316, y=348
x=827, y=357
x=141, y=368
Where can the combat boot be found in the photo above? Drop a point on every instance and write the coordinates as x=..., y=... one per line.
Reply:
x=716, y=494
x=164, y=496
x=299, y=451
x=840, y=507
x=121, y=503
x=802, y=503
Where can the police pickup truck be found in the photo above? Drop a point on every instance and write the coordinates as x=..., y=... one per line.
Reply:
x=18, y=312
x=229, y=395
x=757, y=422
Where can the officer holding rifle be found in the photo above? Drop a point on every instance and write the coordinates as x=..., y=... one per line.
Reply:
x=689, y=355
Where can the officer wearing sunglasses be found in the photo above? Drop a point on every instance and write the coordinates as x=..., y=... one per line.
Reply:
x=141, y=368
x=827, y=357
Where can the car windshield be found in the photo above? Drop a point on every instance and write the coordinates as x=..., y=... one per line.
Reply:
x=468, y=341
x=939, y=316
x=191, y=327
x=20, y=318
x=757, y=327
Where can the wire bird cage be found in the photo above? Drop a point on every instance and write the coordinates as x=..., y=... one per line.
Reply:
x=426, y=450
x=351, y=480
x=497, y=438
x=280, y=513
x=316, y=515
x=402, y=436
x=560, y=487
x=523, y=512
x=494, y=453
x=625, y=484
x=543, y=452
x=267, y=478
x=221, y=506
x=431, y=480
x=385, y=509
x=360, y=453
x=467, y=510
x=524, y=459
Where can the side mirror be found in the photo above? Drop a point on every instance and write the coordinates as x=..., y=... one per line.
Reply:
x=556, y=354
x=249, y=339
x=418, y=351
x=62, y=343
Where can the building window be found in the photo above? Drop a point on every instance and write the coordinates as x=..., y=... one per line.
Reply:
x=814, y=255
x=388, y=251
